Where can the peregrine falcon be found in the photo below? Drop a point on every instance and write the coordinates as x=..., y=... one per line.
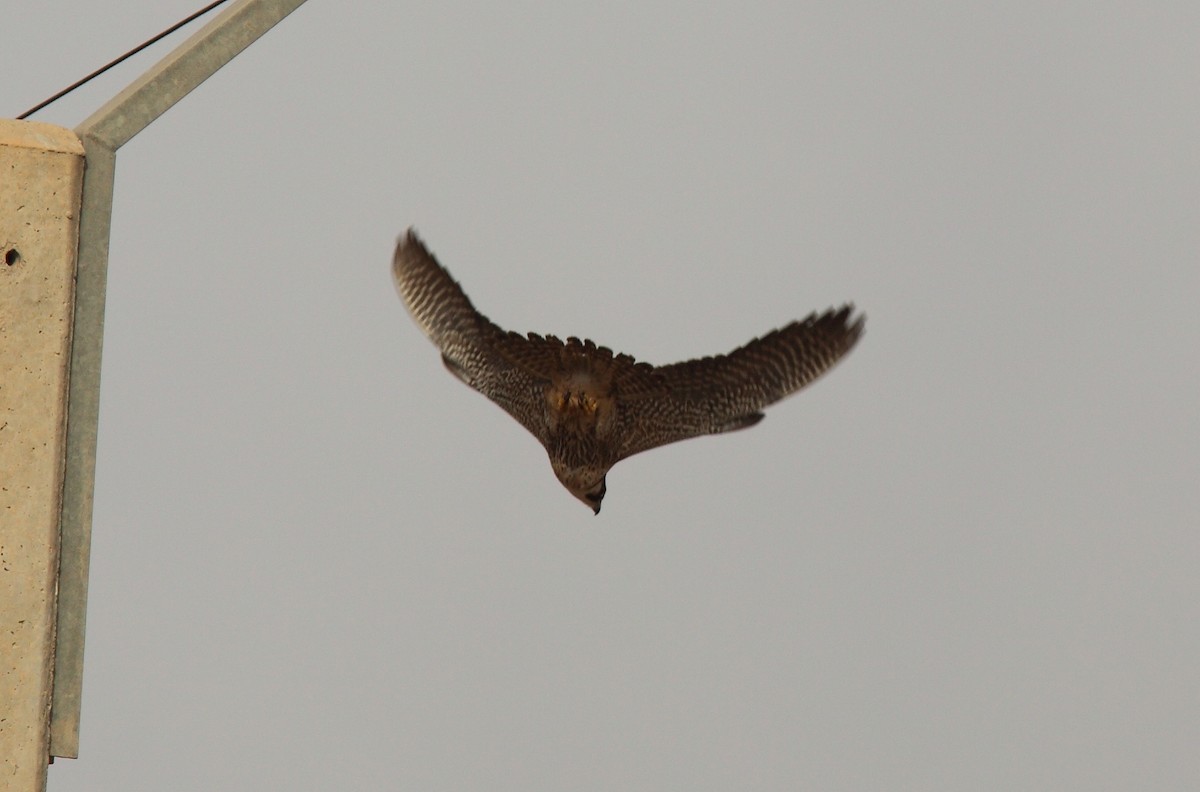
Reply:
x=591, y=408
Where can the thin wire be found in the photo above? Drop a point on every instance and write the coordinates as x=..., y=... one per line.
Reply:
x=127, y=55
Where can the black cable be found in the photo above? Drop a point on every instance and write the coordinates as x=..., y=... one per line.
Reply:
x=129, y=54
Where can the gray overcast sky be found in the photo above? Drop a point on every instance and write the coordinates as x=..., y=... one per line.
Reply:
x=966, y=559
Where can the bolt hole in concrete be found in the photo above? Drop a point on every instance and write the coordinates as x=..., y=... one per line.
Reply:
x=11, y=256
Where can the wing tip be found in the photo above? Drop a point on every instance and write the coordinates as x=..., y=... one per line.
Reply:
x=855, y=329
x=410, y=258
x=842, y=320
x=406, y=244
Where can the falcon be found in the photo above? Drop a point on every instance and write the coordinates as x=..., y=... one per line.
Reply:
x=591, y=408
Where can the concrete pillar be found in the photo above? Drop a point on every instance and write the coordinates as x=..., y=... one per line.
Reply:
x=41, y=173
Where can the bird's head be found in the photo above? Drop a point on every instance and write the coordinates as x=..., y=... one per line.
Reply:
x=585, y=483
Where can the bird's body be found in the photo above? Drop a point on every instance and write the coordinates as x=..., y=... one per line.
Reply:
x=591, y=408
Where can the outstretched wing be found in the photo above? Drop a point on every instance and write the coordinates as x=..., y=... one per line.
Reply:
x=471, y=345
x=728, y=392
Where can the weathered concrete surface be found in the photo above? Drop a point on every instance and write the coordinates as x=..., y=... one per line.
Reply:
x=41, y=171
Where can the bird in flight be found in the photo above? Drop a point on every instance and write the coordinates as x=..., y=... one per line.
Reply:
x=592, y=408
